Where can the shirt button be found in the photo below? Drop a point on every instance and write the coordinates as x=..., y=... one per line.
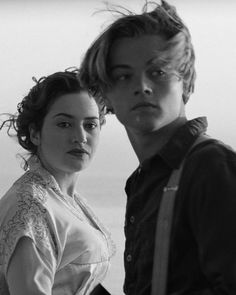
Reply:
x=128, y=257
x=132, y=219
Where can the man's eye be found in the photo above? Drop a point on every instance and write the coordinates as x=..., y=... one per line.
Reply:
x=157, y=73
x=121, y=77
x=64, y=124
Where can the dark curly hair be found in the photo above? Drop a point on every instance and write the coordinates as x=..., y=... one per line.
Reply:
x=163, y=21
x=36, y=104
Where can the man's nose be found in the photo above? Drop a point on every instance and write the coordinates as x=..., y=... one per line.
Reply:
x=143, y=85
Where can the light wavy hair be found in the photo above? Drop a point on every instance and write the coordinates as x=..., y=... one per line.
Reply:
x=162, y=21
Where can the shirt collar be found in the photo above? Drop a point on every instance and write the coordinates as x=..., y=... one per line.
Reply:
x=176, y=148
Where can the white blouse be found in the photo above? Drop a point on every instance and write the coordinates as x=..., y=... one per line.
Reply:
x=72, y=248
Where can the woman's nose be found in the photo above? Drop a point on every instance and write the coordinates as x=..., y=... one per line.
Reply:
x=79, y=136
x=143, y=86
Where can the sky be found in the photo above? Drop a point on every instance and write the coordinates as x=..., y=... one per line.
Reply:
x=39, y=37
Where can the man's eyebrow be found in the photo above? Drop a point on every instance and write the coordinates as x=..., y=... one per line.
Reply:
x=119, y=66
x=153, y=60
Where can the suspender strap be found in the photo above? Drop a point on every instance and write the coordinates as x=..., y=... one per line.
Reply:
x=163, y=229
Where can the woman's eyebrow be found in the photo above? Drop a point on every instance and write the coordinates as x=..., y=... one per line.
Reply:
x=92, y=118
x=64, y=115
x=72, y=117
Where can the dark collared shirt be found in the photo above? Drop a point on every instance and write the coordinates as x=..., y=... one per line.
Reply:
x=203, y=238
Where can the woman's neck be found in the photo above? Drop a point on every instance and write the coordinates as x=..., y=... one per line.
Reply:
x=66, y=181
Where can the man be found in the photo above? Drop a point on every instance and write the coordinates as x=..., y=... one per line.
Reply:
x=142, y=66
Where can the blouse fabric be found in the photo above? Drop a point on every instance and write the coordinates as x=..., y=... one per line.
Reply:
x=69, y=239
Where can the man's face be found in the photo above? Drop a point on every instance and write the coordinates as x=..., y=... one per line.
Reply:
x=146, y=93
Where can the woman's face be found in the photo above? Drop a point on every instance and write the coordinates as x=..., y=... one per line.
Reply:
x=69, y=135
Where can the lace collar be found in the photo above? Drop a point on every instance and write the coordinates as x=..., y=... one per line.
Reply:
x=47, y=178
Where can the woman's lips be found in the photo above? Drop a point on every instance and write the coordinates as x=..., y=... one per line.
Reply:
x=78, y=152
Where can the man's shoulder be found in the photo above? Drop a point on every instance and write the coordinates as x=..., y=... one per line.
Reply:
x=212, y=147
x=211, y=155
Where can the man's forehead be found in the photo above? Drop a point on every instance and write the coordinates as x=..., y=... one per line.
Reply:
x=148, y=50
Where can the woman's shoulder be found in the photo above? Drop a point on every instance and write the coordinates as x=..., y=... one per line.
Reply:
x=30, y=188
x=24, y=213
x=31, y=184
x=23, y=205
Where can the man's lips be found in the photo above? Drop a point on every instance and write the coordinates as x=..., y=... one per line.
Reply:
x=143, y=105
x=78, y=152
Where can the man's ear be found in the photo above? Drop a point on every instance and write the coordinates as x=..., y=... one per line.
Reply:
x=108, y=104
x=34, y=135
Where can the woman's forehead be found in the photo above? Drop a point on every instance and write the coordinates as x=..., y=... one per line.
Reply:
x=74, y=104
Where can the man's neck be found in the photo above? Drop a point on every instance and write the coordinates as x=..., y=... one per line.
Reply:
x=146, y=145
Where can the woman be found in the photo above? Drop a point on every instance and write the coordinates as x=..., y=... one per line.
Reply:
x=50, y=241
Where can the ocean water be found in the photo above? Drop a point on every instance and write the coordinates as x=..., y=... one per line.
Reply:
x=106, y=196
x=113, y=218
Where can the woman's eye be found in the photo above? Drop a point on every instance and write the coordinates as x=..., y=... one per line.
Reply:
x=64, y=124
x=91, y=125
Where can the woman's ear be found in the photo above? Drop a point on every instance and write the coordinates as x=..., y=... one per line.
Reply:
x=34, y=135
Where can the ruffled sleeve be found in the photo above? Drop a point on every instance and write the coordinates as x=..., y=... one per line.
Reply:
x=29, y=271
